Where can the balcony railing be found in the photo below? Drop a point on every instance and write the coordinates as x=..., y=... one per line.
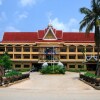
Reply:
x=48, y=60
x=55, y=52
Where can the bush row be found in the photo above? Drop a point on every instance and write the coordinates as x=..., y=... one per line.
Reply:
x=90, y=79
x=14, y=78
x=54, y=69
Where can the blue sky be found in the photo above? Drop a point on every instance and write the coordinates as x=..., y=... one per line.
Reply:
x=34, y=15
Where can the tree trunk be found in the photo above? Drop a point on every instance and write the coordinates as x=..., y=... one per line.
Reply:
x=98, y=66
x=97, y=41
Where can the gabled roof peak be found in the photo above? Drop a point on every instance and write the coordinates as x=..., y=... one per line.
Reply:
x=50, y=25
x=50, y=34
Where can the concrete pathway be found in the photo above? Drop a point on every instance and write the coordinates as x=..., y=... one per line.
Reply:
x=50, y=87
x=69, y=81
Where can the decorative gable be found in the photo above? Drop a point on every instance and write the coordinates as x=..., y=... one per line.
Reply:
x=50, y=35
x=91, y=58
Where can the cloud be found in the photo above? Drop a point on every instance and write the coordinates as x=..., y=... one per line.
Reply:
x=21, y=16
x=58, y=25
x=3, y=16
x=11, y=29
x=25, y=3
x=71, y=25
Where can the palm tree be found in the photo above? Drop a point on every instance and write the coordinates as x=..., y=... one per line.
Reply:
x=92, y=21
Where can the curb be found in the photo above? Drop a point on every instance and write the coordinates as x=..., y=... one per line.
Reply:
x=93, y=85
x=19, y=81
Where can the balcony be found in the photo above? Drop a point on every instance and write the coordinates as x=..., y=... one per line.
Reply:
x=18, y=49
x=55, y=60
x=26, y=49
x=2, y=49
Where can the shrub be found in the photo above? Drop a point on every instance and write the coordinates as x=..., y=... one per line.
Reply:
x=24, y=70
x=54, y=69
x=13, y=73
x=90, y=75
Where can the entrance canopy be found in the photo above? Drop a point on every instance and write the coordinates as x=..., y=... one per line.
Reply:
x=91, y=63
x=91, y=58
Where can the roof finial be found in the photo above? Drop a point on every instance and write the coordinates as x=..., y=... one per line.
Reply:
x=50, y=23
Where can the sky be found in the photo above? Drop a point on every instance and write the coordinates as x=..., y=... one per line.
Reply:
x=34, y=15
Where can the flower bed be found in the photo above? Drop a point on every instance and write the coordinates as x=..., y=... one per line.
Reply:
x=13, y=76
x=91, y=79
x=54, y=69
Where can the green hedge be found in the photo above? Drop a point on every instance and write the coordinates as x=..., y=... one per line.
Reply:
x=90, y=75
x=54, y=69
x=13, y=73
x=24, y=70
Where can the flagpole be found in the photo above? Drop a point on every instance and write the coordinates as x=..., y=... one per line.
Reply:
x=53, y=58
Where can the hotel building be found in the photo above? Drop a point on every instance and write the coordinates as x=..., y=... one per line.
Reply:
x=27, y=49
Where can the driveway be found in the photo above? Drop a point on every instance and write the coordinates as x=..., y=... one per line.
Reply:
x=69, y=81
x=50, y=87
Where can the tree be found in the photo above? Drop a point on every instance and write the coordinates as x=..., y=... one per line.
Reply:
x=91, y=21
x=5, y=61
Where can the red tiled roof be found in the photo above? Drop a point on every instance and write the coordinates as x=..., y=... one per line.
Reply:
x=20, y=37
x=59, y=34
x=16, y=37
x=41, y=34
x=77, y=37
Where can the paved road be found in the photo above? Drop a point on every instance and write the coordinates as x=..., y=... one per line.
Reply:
x=50, y=87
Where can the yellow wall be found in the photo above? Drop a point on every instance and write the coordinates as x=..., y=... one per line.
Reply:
x=30, y=57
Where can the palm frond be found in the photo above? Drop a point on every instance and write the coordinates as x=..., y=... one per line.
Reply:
x=90, y=26
x=89, y=21
x=93, y=5
x=86, y=20
x=85, y=10
x=82, y=25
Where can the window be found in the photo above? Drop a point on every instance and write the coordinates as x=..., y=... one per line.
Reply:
x=72, y=49
x=80, y=57
x=89, y=49
x=17, y=66
x=63, y=50
x=96, y=50
x=80, y=49
x=71, y=66
x=63, y=57
x=35, y=49
x=50, y=50
x=10, y=49
x=26, y=66
x=35, y=56
x=72, y=57
x=26, y=49
x=27, y=56
x=18, y=56
x=2, y=49
x=80, y=66
x=17, y=49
